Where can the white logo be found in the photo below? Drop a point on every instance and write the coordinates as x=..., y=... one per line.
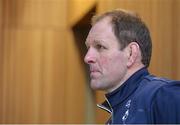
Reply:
x=126, y=114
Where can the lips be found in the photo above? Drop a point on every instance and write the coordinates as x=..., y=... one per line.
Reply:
x=92, y=69
x=94, y=73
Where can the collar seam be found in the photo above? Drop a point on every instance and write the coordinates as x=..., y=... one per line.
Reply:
x=104, y=108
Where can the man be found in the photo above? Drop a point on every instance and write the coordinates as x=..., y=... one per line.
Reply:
x=119, y=52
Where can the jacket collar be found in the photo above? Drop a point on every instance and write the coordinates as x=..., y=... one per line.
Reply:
x=124, y=91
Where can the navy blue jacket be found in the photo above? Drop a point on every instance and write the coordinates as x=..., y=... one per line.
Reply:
x=145, y=99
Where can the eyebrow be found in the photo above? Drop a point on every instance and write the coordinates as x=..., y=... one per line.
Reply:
x=95, y=42
x=99, y=42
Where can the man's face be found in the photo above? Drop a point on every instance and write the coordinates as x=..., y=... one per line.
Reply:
x=108, y=64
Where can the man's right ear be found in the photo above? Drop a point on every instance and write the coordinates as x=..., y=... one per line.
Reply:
x=133, y=50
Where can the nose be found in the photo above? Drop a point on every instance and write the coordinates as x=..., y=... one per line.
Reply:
x=90, y=56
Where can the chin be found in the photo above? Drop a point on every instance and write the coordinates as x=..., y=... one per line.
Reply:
x=96, y=86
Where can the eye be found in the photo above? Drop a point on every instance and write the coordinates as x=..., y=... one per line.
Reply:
x=100, y=47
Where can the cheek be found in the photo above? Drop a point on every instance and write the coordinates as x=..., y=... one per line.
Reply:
x=104, y=62
x=111, y=63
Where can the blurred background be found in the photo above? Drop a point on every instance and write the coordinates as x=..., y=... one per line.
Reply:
x=43, y=78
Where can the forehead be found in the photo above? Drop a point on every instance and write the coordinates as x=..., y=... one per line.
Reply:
x=101, y=31
x=102, y=26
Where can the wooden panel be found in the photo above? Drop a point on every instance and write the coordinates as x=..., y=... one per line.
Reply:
x=176, y=39
x=34, y=76
x=53, y=77
x=1, y=39
x=1, y=13
x=77, y=9
x=34, y=62
x=1, y=54
x=43, y=78
x=19, y=102
x=35, y=13
x=75, y=86
x=161, y=30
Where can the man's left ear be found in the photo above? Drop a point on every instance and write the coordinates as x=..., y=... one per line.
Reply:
x=133, y=50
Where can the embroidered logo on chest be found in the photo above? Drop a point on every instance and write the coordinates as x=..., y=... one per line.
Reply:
x=126, y=114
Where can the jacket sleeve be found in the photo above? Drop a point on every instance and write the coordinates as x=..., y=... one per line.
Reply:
x=166, y=104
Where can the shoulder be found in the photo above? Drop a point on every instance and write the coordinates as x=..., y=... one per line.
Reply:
x=152, y=78
x=163, y=85
x=160, y=83
x=155, y=88
x=151, y=84
x=166, y=100
x=160, y=98
x=168, y=92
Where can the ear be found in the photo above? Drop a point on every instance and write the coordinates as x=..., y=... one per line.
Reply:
x=133, y=50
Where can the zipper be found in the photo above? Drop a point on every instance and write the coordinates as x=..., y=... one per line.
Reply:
x=104, y=108
x=111, y=110
x=108, y=109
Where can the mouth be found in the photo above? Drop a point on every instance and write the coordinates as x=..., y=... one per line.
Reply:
x=94, y=73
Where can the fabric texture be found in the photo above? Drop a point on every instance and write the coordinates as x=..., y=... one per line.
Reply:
x=144, y=99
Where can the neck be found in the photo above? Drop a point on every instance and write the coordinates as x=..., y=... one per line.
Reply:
x=128, y=74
